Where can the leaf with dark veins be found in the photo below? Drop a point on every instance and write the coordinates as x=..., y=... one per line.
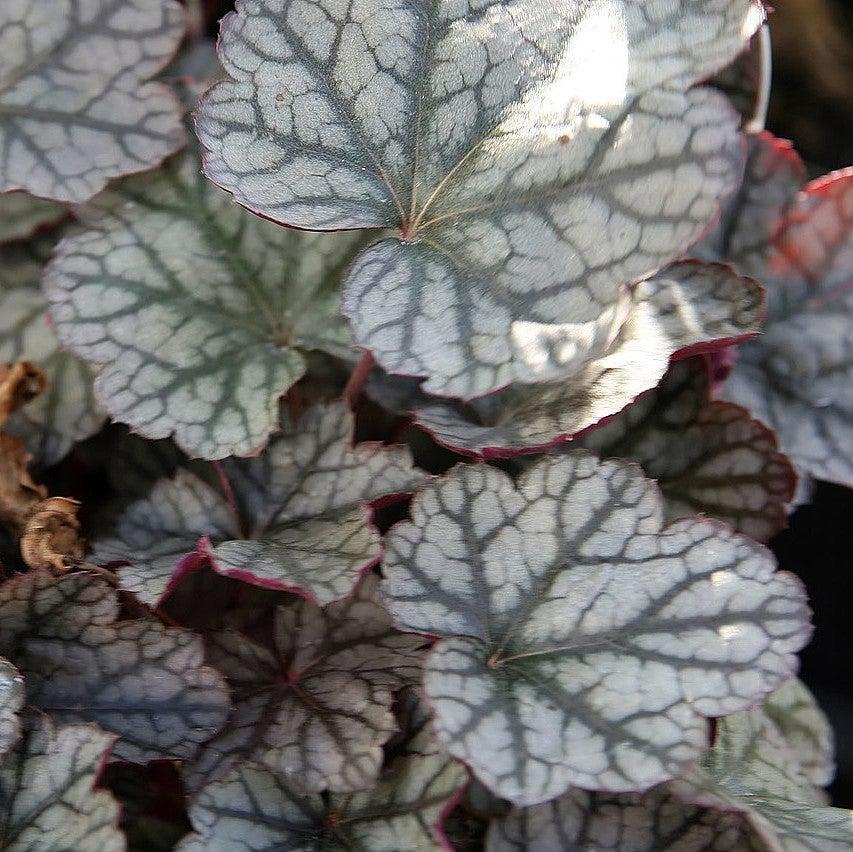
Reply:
x=532, y=161
x=316, y=705
x=11, y=702
x=581, y=640
x=798, y=376
x=48, y=797
x=607, y=822
x=304, y=525
x=707, y=457
x=252, y=808
x=195, y=312
x=687, y=307
x=752, y=769
x=142, y=681
x=21, y=215
x=75, y=109
x=67, y=411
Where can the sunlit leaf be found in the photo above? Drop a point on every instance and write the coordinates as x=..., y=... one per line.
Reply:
x=604, y=822
x=581, y=641
x=707, y=457
x=754, y=770
x=253, y=808
x=75, y=109
x=194, y=310
x=304, y=515
x=138, y=679
x=22, y=214
x=531, y=159
x=47, y=795
x=807, y=732
x=315, y=705
x=66, y=412
x=687, y=307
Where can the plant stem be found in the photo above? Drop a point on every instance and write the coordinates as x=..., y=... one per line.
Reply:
x=357, y=379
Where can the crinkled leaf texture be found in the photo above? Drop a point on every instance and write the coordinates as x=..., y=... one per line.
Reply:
x=11, y=702
x=75, y=109
x=582, y=641
x=687, y=307
x=21, y=215
x=755, y=770
x=47, y=795
x=67, y=411
x=252, y=808
x=195, y=312
x=315, y=705
x=302, y=520
x=142, y=681
x=707, y=457
x=655, y=821
x=533, y=161
x=796, y=377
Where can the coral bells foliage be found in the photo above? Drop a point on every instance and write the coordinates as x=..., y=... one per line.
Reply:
x=365, y=479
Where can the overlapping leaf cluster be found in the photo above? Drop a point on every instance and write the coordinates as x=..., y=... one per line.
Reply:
x=521, y=228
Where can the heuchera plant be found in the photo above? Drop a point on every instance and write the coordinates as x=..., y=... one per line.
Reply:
x=470, y=354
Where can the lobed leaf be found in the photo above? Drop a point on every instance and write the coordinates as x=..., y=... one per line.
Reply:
x=137, y=679
x=21, y=215
x=627, y=822
x=688, y=307
x=304, y=517
x=252, y=808
x=195, y=312
x=75, y=109
x=707, y=457
x=315, y=706
x=581, y=641
x=67, y=411
x=532, y=162
x=48, y=798
x=753, y=770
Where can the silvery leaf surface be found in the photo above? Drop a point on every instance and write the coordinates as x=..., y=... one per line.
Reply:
x=67, y=411
x=527, y=163
x=316, y=705
x=581, y=639
x=194, y=312
x=687, y=307
x=139, y=680
x=75, y=107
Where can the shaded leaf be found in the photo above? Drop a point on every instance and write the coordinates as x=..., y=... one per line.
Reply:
x=252, y=809
x=47, y=795
x=75, y=109
x=66, y=412
x=11, y=702
x=194, y=311
x=531, y=160
x=581, y=640
x=604, y=822
x=707, y=457
x=21, y=215
x=315, y=705
x=304, y=525
x=687, y=307
x=753, y=770
x=138, y=679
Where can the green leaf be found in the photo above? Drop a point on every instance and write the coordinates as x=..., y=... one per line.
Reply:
x=21, y=215
x=304, y=525
x=66, y=412
x=11, y=702
x=195, y=312
x=48, y=798
x=531, y=160
x=707, y=457
x=687, y=306
x=75, y=109
x=581, y=640
x=315, y=704
x=137, y=679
